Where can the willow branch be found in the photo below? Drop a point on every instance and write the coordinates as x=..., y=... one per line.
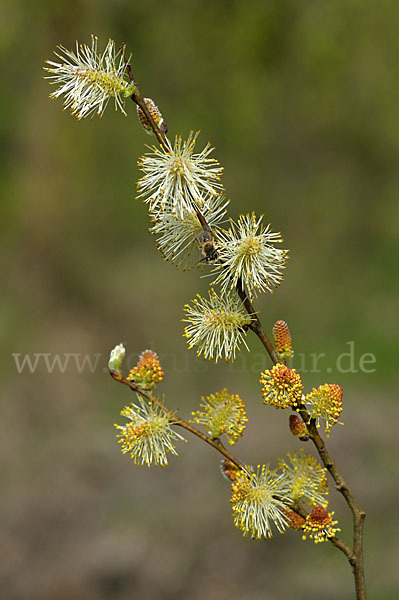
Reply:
x=256, y=325
x=215, y=443
x=355, y=557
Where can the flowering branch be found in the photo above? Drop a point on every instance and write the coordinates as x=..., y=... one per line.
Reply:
x=355, y=556
x=256, y=325
x=215, y=443
x=186, y=204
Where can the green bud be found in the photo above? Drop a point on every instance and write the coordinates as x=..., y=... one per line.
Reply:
x=116, y=358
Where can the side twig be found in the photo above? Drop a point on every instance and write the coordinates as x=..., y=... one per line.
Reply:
x=215, y=443
x=177, y=420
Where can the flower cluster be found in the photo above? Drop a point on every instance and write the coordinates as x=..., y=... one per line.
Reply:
x=257, y=500
x=325, y=404
x=222, y=413
x=148, y=371
x=179, y=234
x=282, y=340
x=176, y=178
x=248, y=257
x=306, y=478
x=148, y=437
x=282, y=387
x=216, y=325
x=88, y=79
x=319, y=525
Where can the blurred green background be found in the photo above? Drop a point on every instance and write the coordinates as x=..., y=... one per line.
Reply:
x=300, y=100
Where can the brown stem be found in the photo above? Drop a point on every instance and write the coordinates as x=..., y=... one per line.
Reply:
x=256, y=325
x=161, y=137
x=139, y=100
x=338, y=543
x=356, y=556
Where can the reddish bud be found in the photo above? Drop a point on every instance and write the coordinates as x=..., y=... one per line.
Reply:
x=298, y=428
x=229, y=470
x=154, y=112
x=295, y=520
x=282, y=339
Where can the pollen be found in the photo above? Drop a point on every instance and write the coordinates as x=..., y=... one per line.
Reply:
x=326, y=405
x=148, y=436
x=319, y=525
x=177, y=167
x=282, y=387
x=306, y=478
x=87, y=79
x=251, y=246
x=256, y=499
x=222, y=413
x=248, y=254
x=148, y=371
x=176, y=178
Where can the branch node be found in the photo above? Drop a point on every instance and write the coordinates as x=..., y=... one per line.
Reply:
x=352, y=560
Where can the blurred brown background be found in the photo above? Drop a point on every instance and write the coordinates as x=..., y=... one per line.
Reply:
x=301, y=102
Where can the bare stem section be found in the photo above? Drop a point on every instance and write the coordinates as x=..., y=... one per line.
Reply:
x=256, y=325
